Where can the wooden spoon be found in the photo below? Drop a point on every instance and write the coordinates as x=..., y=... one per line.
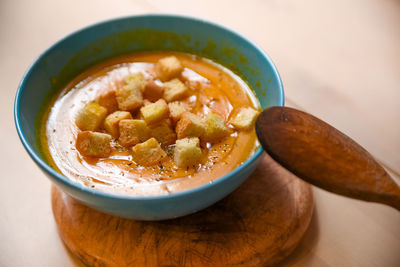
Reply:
x=323, y=156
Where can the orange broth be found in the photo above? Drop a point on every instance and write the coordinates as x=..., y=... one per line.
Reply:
x=214, y=88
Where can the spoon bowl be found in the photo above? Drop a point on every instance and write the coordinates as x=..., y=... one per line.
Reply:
x=323, y=156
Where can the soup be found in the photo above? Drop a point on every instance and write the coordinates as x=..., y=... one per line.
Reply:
x=150, y=123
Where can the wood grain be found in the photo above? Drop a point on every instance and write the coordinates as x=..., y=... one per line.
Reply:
x=258, y=225
x=323, y=156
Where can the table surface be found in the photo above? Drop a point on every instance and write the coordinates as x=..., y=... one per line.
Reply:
x=339, y=60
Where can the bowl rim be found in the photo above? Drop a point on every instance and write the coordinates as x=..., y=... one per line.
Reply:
x=104, y=194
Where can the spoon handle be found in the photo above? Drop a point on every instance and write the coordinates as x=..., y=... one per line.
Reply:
x=323, y=156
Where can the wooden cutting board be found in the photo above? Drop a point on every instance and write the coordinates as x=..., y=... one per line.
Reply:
x=257, y=225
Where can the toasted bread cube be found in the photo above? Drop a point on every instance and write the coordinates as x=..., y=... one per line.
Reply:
x=190, y=125
x=133, y=132
x=129, y=96
x=146, y=102
x=163, y=133
x=175, y=90
x=155, y=112
x=215, y=128
x=168, y=68
x=135, y=79
x=91, y=116
x=111, y=123
x=153, y=91
x=176, y=109
x=187, y=152
x=109, y=101
x=245, y=118
x=93, y=144
x=148, y=153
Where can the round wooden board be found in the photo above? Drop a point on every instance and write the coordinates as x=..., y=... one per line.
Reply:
x=257, y=225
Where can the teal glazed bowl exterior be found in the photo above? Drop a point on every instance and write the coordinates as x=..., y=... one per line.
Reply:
x=73, y=54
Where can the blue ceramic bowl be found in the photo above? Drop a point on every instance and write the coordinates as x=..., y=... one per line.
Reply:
x=79, y=50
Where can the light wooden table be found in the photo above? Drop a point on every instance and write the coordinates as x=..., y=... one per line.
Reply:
x=339, y=60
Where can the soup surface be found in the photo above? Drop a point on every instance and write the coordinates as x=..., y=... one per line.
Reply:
x=213, y=89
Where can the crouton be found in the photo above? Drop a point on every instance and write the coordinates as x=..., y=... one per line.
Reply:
x=190, y=125
x=90, y=116
x=153, y=91
x=111, y=123
x=148, y=153
x=133, y=132
x=176, y=109
x=175, y=90
x=245, y=118
x=93, y=144
x=146, y=102
x=187, y=152
x=155, y=112
x=137, y=79
x=215, y=128
x=108, y=100
x=129, y=96
x=163, y=133
x=168, y=68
